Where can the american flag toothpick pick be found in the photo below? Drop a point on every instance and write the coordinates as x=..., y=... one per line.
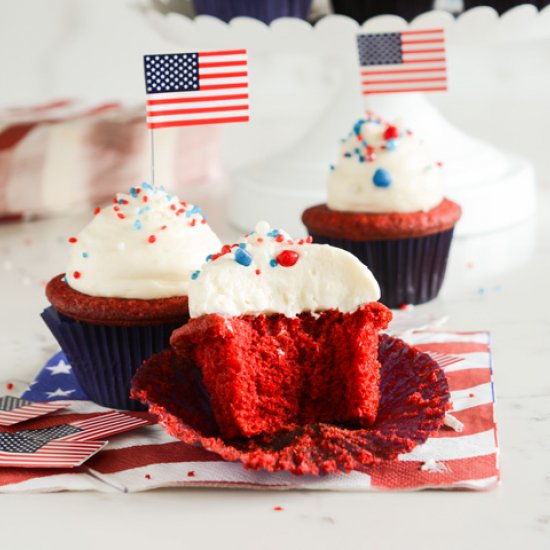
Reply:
x=406, y=61
x=195, y=88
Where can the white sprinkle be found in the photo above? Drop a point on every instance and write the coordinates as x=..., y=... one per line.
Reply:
x=453, y=423
x=121, y=246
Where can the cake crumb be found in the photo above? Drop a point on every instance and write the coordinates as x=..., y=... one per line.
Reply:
x=453, y=423
x=433, y=467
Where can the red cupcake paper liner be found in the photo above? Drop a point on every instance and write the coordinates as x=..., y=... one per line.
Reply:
x=414, y=398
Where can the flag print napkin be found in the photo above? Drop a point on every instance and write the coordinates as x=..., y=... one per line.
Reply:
x=462, y=455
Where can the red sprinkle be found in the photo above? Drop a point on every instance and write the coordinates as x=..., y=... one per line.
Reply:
x=258, y=272
x=116, y=208
x=76, y=274
x=163, y=228
x=404, y=306
x=191, y=473
x=180, y=212
x=279, y=238
x=193, y=222
x=152, y=239
x=97, y=210
x=147, y=476
x=287, y=258
x=440, y=164
x=203, y=221
x=145, y=198
x=124, y=201
x=259, y=240
x=391, y=132
x=278, y=508
x=309, y=239
x=115, y=201
x=9, y=386
x=73, y=240
x=471, y=395
x=226, y=249
x=301, y=241
x=121, y=215
x=172, y=207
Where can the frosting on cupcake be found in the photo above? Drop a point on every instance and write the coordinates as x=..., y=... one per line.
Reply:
x=268, y=272
x=384, y=168
x=144, y=245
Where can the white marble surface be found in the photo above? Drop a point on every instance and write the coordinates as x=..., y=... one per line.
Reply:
x=497, y=282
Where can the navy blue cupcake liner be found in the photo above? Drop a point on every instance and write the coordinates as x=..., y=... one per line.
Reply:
x=361, y=10
x=264, y=10
x=409, y=271
x=105, y=358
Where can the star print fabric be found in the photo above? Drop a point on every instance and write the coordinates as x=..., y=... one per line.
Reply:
x=55, y=381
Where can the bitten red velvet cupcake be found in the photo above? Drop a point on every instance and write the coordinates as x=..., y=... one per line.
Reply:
x=386, y=205
x=285, y=333
x=125, y=288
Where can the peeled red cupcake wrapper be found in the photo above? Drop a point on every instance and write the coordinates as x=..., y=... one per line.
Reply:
x=414, y=399
x=409, y=271
x=103, y=358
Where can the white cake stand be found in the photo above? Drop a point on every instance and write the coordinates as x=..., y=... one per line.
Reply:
x=496, y=188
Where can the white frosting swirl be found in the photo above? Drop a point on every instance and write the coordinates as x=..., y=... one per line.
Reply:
x=145, y=245
x=377, y=173
x=268, y=272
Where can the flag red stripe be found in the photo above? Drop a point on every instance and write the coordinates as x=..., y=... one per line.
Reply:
x=200, y=110
x=10, y=476
x=424, y=41
x=431, y=50
x=155, y=125
x=408, y=475
x=455, y=348
x=411, y=80
x=195, y=99
x=223, y=75
x=435, y=60
x=221, y=64
x=223, y=86
x=222, y=52
x=399, y=71
x=116, y=460
x=424, y=31
x=376, y=91
x=476, y=420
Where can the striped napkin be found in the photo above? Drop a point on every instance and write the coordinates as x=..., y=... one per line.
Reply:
x=462, y=455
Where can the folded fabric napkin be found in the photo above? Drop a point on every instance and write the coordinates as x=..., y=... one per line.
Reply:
x=462, y=455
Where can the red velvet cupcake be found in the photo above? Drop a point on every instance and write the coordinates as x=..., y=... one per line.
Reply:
x=285, y=334
x=386, y=206
x=125, y=289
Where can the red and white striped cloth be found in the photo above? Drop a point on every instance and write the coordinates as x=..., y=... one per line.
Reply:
x=148, y=458
x=62, y=155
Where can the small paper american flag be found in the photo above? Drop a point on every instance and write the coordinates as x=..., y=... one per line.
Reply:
x=185, y=89
x=407, y=61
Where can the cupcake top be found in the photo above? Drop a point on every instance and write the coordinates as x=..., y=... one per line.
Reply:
x=384, y=168
x=145, y=245
x=268, y=272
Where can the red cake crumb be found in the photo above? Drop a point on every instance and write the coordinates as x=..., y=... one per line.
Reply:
x=270, y=373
